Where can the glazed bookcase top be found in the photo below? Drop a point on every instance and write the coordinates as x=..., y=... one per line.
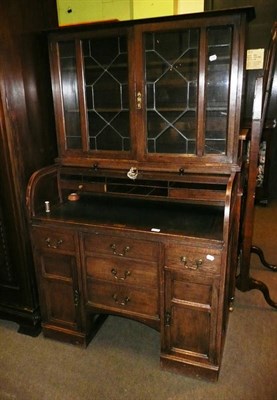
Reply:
x=160, y=94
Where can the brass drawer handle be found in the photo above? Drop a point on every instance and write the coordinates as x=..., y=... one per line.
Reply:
x=53, y=244
x=123, y=302
x=123, y=253
x=190, y=264
x=121, y=278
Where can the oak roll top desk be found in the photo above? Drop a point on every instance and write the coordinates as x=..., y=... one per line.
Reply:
x=142, y=208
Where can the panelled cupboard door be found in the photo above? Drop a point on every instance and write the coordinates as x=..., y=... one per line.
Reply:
x=191, y=308
x=60, y=302
x=147, y=94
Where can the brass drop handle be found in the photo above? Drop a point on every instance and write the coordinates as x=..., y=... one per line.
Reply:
x=121, y=278
x=139, y=100
x=123, y=253
x=190, y=264
x=123, y=302
x=53, y=244
x=198, y=263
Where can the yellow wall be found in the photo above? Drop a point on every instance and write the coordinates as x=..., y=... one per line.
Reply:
x=189, y=6
x=158, y=8
x=76, y=11
x=153, y=8
x=79, y=11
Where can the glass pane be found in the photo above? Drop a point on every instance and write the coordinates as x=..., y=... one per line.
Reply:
x=107, y=97
x=70, y=95
x=217, y=89
x=171, y=69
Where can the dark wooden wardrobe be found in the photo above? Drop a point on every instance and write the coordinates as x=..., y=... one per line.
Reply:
x=27, y=142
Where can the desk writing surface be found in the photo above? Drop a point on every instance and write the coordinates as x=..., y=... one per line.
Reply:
x=176, y=218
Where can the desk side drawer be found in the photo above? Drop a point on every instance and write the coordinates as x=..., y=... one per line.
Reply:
x=195, y=259
x=46, y=239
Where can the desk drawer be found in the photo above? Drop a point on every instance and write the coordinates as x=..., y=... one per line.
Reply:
x=193, y=259
x=44, y=238
x=121, y=246
x=122, y=270
x=122, y=298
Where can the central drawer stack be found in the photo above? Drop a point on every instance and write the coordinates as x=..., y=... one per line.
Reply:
x=122, y=275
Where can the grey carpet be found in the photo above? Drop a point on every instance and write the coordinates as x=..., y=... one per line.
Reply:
x=122, y=361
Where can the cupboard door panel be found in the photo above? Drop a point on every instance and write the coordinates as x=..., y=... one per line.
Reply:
x=52, y=268
x=59, y=299
x=190, y=316
x=192, y=293
x=59, y=294
x=190, y=331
